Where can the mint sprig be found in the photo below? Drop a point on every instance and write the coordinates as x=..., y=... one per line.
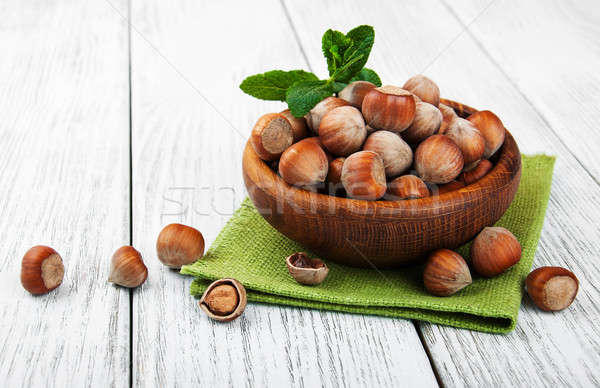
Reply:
x=346, y=56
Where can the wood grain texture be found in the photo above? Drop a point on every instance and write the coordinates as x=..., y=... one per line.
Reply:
x=64, y=173
x=190, y=124
x=384, y=234
x=545, y=349
x=549, y=51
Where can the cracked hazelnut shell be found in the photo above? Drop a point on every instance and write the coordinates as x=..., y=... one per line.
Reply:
x=224, y=300
x=306, y=270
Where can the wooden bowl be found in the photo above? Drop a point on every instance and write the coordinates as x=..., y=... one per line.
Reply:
x=384, y=234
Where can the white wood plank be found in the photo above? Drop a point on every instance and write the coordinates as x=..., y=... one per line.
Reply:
x=545, y=349
x=65, y=183
x=549, y=51
x=187, y=168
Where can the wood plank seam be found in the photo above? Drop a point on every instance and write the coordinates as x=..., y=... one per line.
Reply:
x=486, y=52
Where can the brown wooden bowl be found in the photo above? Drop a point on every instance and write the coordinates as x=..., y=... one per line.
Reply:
x=384, y=234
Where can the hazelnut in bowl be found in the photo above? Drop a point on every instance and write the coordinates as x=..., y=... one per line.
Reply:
x=376, y=231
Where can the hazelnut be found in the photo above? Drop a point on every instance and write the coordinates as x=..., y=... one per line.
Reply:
x=468, y=139
x=127, y=268
x=335, y=171
x=224, y=300
x=424, y=88
x=448, y=187
x=42, y=270
x=397, y=156
x=304, y=163
x=408, y=187
x=552, y=288
x=446, y=273
x=448, y=114
x=342, y=130
x=494, y=250
x=271, y=135
x=178, y=245
x=355, y=92
x=313, y=118
x=306, y=270
x=363, y=176
x=492, y=130
x=299, y=126
x=477, y=173
x=389, y=108
x=438, y=159
x=427, y=122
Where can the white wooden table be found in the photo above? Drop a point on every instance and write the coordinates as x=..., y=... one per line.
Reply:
x=119, y=117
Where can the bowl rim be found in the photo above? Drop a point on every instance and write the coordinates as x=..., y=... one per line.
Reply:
x=502, y=174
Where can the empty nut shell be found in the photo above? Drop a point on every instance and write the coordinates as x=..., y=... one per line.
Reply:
x=224, y=300
x=306, y=270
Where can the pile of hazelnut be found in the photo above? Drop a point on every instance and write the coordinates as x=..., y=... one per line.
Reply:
x=374, y=143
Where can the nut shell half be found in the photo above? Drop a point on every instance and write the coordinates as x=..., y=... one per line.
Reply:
x=224, y=300
x=305, y=270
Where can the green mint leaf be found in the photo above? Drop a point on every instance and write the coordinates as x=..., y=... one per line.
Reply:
x=367, y=75
x=334, y=44
x=304, y=95
x=273, y=85
x=347, y=70
x=338, y=86
x=357, y=54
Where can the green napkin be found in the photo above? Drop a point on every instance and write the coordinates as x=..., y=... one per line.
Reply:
x=251, y=251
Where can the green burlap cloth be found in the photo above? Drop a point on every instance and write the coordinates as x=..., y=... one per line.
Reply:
x=251, y=251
